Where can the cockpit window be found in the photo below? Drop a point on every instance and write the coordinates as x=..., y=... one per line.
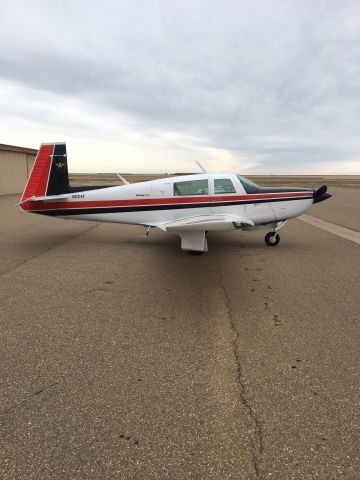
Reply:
x=249, y=186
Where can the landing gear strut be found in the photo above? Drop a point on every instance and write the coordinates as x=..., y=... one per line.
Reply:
x=272, y=239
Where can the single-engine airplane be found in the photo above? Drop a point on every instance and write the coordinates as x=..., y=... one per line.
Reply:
x=188, y=205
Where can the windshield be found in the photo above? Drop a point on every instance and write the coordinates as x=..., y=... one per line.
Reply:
x=249, y=186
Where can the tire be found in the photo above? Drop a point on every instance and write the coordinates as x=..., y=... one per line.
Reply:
x=195, y=252
x=270, y=241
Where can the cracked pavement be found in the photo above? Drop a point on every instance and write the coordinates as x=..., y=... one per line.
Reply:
x=123, y=357
x=256, y=441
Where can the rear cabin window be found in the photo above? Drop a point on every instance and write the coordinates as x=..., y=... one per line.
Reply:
x=223, y=185
x=195, y=187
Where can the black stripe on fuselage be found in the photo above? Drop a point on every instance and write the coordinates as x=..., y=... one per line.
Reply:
x=149, y=208
x=261, y=190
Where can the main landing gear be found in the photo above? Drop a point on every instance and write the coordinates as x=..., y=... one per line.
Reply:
x=199, y=252
x=272, y=239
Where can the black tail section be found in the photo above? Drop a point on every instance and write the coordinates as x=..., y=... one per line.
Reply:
x=59, y=177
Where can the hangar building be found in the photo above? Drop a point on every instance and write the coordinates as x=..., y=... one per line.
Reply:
x=15, y=167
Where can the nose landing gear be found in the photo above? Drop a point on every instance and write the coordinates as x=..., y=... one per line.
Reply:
x=272, y=239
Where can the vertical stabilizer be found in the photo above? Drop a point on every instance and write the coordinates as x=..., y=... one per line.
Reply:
x=37, y=183
x=49, y=175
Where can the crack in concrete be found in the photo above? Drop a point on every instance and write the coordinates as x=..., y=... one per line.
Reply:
x=257, y=440
x=48, y=249
x=25, y=400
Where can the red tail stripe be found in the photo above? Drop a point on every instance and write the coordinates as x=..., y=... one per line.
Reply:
x=38, y=179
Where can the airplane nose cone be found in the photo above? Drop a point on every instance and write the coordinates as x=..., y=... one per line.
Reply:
x=321, y=194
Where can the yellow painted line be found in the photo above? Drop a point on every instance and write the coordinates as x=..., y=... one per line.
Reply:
x=343, y=232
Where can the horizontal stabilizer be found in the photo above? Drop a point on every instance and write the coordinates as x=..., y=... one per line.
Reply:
x=49, y=198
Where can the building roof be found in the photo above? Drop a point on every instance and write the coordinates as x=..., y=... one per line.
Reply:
x=12, y=148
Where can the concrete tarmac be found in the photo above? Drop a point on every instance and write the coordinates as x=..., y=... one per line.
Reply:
x=125, y=358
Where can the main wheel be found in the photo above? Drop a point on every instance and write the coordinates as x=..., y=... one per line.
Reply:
x=195, y=252
x=272, y=239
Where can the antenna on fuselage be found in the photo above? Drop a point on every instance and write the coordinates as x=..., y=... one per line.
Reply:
x=123, y=179
x=202, y=168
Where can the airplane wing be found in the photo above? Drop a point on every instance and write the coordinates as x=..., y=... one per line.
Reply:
x=208, y=223
x=192, y=229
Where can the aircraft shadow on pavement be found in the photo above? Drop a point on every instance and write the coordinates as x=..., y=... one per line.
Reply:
x=168, y=243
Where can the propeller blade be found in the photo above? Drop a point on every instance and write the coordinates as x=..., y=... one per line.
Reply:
x=320, y=191
x=320, y=194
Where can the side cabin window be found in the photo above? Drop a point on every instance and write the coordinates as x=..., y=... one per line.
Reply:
x=194, y=187
x=223, y=185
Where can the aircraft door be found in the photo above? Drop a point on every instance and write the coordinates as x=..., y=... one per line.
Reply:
x=225, y=194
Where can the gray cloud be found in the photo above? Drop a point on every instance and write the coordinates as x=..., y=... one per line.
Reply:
x=272, y=78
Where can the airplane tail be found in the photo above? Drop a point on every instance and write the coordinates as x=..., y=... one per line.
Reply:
x=49, y=175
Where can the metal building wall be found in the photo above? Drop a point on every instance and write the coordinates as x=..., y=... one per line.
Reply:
x=14, y=168
x=30, y=159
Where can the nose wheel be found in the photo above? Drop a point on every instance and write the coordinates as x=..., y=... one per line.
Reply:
x=272, y=239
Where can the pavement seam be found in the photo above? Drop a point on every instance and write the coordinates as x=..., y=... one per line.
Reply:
x=47, y=250
x=343, y=232
x=257, y=442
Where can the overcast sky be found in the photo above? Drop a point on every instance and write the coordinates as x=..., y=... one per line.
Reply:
x=249, y=86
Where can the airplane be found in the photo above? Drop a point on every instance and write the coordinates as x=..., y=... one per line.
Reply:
x=188, y=205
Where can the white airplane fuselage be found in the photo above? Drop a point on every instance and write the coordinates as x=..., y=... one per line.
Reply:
x=189, y=205
x=153, y=203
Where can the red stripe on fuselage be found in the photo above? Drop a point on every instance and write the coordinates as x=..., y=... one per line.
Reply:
x=40, y=205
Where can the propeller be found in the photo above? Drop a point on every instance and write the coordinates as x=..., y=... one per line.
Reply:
x=320, y=194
